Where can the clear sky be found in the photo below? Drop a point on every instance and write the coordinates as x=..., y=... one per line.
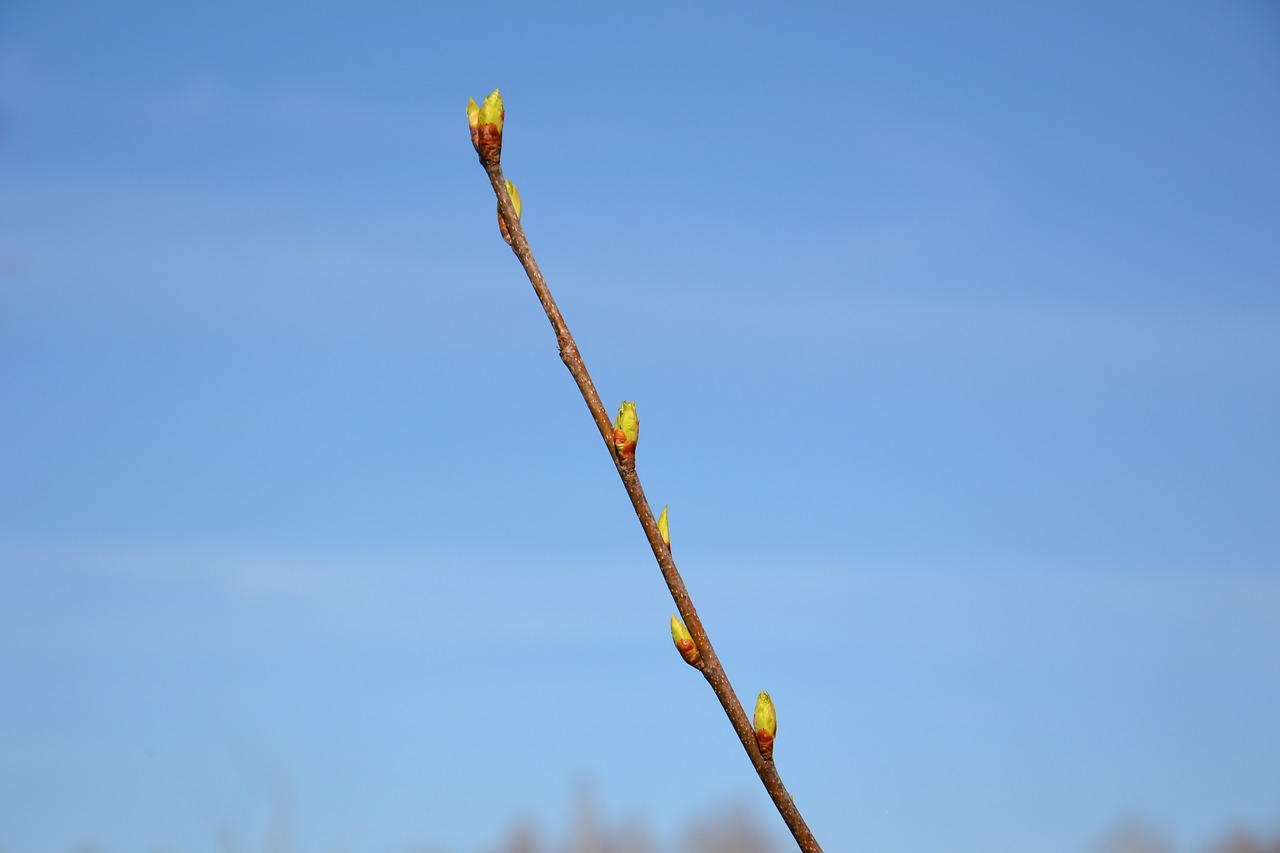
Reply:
x=955, y=335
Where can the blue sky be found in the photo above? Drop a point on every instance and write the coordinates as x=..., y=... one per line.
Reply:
x=955, y=335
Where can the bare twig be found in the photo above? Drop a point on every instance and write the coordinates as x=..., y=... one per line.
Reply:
x=710, y=664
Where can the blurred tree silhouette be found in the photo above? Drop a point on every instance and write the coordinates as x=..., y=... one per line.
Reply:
x=1244, y=842
x=732, y=830
x=1136, y=838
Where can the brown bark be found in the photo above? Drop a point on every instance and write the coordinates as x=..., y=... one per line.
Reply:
x=710, y=666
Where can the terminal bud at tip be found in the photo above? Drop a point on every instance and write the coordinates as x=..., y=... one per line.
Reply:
x=488, y=128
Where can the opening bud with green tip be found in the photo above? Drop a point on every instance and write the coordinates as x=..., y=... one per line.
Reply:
x=473, y=119
x=515, y=202
x=488, y=128
x=765, y=724
x=684, y=643
x=663, y=530
x=626, y=431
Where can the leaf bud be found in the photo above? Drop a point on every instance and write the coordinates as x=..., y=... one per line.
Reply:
x=765, y=724
x=473, y=119
x=489, y=120
x=515, y=202
x=684, y=643
x=626, y=432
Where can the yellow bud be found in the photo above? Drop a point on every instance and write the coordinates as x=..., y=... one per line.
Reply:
x=473, y=119
x=486, y=128
x=684, y=643
x=626, y=432
x=491, y=110
x=515, y=198
x=662, y=526
x=765, y=724
x=502, y=220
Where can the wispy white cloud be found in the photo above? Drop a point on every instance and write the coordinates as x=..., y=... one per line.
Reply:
x=1041, y=608
x=442, y=595
x=190, y=251
x=201, y=100
x=202, y=97
x=1082, y=333
x=1077, y=333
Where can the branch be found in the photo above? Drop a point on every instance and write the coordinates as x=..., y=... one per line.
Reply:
x=486, y=135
